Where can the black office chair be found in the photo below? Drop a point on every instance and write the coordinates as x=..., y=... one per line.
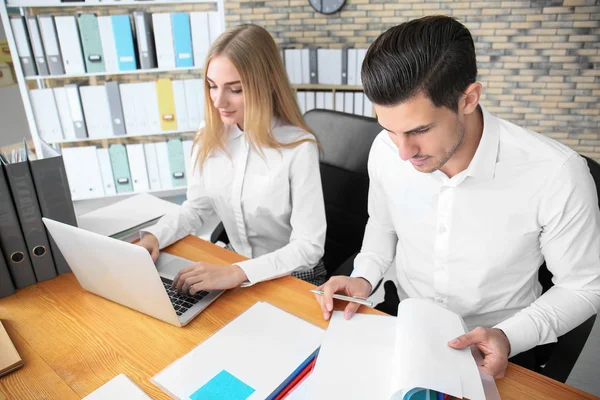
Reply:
x=345, y=140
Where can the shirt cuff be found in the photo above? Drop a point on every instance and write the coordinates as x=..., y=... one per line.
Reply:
x=521, y=332
x=368, y=271
x=255, y=271
x=158, y=233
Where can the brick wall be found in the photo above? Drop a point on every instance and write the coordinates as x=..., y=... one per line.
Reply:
x=539, y=60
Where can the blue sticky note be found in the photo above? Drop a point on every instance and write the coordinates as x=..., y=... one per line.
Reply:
x=223, y=386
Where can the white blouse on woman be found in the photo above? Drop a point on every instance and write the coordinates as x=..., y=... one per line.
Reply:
x=271, y=205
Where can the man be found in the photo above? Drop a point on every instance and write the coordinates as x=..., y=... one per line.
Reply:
x=467, y=205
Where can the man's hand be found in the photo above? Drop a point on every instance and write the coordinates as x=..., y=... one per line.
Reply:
x=203, y=276
x=494, y=347
x=345, y=285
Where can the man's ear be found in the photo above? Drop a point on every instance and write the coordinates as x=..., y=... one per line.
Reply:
x=470, y=99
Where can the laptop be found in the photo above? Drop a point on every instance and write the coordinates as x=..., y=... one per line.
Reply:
x=125, y=273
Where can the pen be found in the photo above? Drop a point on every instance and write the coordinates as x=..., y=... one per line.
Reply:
x=353, y=299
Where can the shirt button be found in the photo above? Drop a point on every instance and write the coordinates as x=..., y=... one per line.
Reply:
x=440, y=301
x=443, y=229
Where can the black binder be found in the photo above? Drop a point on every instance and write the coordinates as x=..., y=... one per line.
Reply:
x=30, y=217
x=314, y=65
x=54, y=197
x=6, y=284
x=11, y=237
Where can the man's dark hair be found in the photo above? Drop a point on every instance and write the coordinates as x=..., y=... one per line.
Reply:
x=433, y=54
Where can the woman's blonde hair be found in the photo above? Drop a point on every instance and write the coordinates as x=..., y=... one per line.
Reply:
x=266, y=89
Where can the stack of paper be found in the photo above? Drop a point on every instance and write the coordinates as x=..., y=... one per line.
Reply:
x=255, y=356
x=9, y=358
x=381, y=357
x=124, y=218
x=119, y=387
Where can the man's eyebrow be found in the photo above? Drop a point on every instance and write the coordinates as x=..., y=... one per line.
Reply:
x=417, y=129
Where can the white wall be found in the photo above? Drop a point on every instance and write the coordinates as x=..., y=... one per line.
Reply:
x=13, y=123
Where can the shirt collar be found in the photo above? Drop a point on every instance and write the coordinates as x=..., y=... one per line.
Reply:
x=234, y=131
x=483, y=164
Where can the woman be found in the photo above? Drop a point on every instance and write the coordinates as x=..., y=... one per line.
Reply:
x=256, y=166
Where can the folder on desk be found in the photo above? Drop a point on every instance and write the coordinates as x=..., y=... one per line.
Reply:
x=12, y=242
x=194, y=96
x=70, y=45
x=36, y=45
x=83, y=172
x=182, y=36
x=64, y=113
x=76, y=111
x=215, y=26
x=7, y=286
x=23, y=192
x=166, y=104
x=200, y=36
x=282, y=345
x=50, y=42
x=94, y=100
x=137, y=167
x=108, y=180
x=107, y=39
x=113, y=95
x=124, y=42
x=54, y=197
x=145, y=39
x=149, y=108
x=129, y=98
x=152, y=166
x=23, y=46
x=46, y=115
x=120, y=168
x=91, y=42
x=176, y=162
x=180, y=104
x=164, y=169
x=163, y=40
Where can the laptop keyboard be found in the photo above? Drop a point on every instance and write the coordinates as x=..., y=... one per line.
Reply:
x=182, y=301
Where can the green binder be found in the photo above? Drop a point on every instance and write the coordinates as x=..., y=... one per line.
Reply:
x=176, y=162
x=90, y=40
x=120, y=168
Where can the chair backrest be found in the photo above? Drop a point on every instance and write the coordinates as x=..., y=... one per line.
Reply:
x=556, y=360
x=346, y=140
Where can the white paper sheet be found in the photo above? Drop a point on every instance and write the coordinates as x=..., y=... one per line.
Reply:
x=119, y=387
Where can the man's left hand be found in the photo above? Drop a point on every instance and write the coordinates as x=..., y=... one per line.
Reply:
x=493, y=345
x=204, y=276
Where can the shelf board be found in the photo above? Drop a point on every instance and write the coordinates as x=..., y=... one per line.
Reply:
x=46, y=4
x=118, y=138
x=158, y=193
x=134, y=72
x=320, y=86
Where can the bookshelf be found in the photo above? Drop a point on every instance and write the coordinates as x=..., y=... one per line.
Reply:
x=195, y=70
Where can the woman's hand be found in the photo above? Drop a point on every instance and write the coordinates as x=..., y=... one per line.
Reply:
x=203, y=276
x=150, y=243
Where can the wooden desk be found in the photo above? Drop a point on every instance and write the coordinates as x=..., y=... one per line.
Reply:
x=72, y=341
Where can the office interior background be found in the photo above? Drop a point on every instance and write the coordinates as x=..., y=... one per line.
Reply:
x=538, y=60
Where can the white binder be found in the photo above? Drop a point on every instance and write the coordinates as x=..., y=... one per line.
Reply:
x=64, y=112
x=288, y=55
x=194, y=95
x=107, y=39
x=187, y=157
x=301, y=101
x=329, y=66
x=76, y=111
x=22, y=42
x=349, y=102
x=46, y=115
x=83, y=172
x=360, y=57
x=149, y=108
x=368, y=107
x=129, y=98
x=96, y=110
x=164, y=169
x=180, y=105
x=137, y=167
x=358, y=103
x=352, y=78
x=108, y=180
x=37, y=47
x=320, y=100
x=329, y=101
x=152, y=166
x=50, y=41
x=214, y=25
x=339, y=101
x=163, y=40
x=70, y=44
x=305, y=62
x=310, y=101
x=200, y=36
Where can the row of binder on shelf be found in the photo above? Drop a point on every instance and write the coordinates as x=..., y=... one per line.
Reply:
x=50, y=3
x=77, y=112
x=29, y=190
x=324, y=66
x=58, y=45
x=138, y=167
x=348, y=102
